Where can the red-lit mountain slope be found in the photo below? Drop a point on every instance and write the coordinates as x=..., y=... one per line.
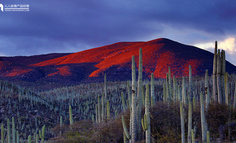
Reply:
x=158, y=55
x=114, y=59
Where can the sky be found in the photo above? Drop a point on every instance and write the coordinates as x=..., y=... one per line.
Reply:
x=65, y=26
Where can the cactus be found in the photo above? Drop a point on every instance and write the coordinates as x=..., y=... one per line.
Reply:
x=203, y=120
x=123, y=101
x=208, y=137
x=144, y=122
x=189, y=121
x=13, y=131
x=70, y=115
x=99, y=110
x=219, y=78
x=214, y=88
x=37, y=138
x=190, y=90
x=108, y=110
x=182, y=122
x=18, y=137
x=29, y=139
x=8, y=131
x=193, y=136
x=153, y=100
x=207, y=92
x=147, y=102
x=105, y=90
x=133, y=104
x=234, y=104
x=227, y=96
x=184, y=98
x=125, y=128
x=139, y=95
x=103, y=110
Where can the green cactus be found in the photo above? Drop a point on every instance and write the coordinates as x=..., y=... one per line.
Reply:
x=13, y=131
x=207, y=92
x=123, y=101
x=8, y=131
x=105, y=90
x=203, y=120
x=214, y=88
x=153, y=100
x=103, y=110
x=184, y=98
x=193, y=136
x=190, y=90
x=147, y=113
x=125, y=128
x=182, y=122
x=43, y=134
x=189, y=121
x=99, y=110
x=144, y=122
x=139, y=95
x=133, y=119
x=37, y=138
x=29, y=139
x=208, y=137
x=219, y=78
x=108, y=110
x=70, y=115
x=227, y=96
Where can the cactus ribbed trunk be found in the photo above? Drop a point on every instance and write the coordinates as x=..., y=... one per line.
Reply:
x=139, y=96
x=234, y=104
x=153, y=99
x=170, y=85
x=203, y=120
x=108, y=110
x=147, y=102
x=207, y=92
x=99, y=110
x=105, y=90
x=70, y=116
x=222, y=57
x=227, y=98
x=184, y=98
x=103, y=108
x=193, y=136
x=214, y=88
x=219, y=78
x=182, y=123
x=8, y=131
x=190, y=90
x=13, y=130
x=190, y=108
x=133, y=104
x=174, y=89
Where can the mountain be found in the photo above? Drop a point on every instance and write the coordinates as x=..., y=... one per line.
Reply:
x=114, y=59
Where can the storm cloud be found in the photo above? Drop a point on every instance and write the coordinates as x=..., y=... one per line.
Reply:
x=70, y=26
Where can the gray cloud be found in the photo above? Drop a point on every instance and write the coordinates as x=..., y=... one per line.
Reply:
x=56, y=26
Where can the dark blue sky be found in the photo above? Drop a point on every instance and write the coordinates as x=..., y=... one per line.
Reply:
x=53, y=26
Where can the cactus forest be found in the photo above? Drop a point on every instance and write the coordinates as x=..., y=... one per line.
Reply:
x=175, y=109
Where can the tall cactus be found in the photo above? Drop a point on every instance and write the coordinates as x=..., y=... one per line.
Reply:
x=148, y=131
x=99, y=110
x=219, y=77
x=105, y=90
x=152, y=90
x=184, y=98
x=108, y=110
x=13, y=131
x=234, y=104
x=226, y=89
x=125, y=128
x=8, y=131
x=133, y=104
x=214, y=88
x=190, y=90
x=182, y=123
x=70, y=115
x=203, y=120
x=139, y=95
x=190, y=108
x=207, y=92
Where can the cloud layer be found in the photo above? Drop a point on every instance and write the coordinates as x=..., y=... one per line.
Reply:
x=71, y=26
